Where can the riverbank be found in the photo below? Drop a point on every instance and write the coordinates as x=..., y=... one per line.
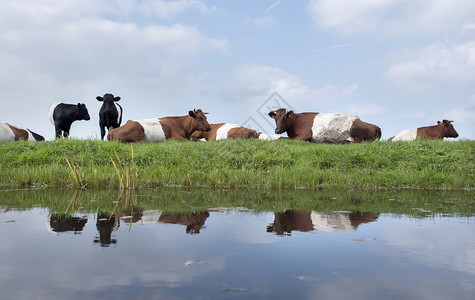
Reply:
x=234, y=163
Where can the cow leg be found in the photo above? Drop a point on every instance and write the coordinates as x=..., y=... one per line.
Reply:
x=66, y=131
x=58, y=131
x=103, y=132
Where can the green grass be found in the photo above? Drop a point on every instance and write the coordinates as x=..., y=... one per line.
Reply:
x=237, y=163
x=416, y=203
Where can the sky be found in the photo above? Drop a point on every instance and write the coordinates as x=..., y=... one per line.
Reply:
x=399, y=64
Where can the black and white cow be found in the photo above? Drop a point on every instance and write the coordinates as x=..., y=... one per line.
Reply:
x=110, y=114
x=63, y=115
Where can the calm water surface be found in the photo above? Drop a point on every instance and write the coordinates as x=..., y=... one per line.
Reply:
x=183, y=244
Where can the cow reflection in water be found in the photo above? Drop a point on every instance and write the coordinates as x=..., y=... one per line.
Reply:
x=106, y=223
x=290, y=220
x=194, y=222
x=64, y=223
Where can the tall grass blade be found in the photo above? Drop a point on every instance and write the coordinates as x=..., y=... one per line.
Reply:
x=121, y=184
x=132, y=151
x=127, y=176
x=75, y=174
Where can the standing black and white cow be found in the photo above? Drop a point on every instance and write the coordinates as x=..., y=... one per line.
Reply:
x=110, y=114
x=63, y=115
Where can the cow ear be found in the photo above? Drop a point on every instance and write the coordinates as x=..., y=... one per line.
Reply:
x=438, y=122
x=272, y=114
x=116, y=99
x=99, y=98
x=192, y=114
x=289, y=114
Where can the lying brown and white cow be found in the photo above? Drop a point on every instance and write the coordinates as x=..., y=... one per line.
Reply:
x=436, y=132
x=323, y=127
x=160, y=129
x=12, y=133
x=223, y=131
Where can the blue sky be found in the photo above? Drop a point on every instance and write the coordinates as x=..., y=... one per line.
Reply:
x=399, y=64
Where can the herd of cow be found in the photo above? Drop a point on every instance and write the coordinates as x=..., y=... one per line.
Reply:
x=313, y=127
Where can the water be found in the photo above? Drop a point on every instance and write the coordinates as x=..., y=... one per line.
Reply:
x=247, y=244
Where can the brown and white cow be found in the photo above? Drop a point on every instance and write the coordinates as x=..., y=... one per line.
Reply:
x=324, y=127
x=160, y=129
x=194, y=222
x=333, y=221
x=223, y=131
x=12, y=133
x=436, y=132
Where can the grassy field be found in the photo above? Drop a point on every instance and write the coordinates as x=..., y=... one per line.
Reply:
x=236, y=163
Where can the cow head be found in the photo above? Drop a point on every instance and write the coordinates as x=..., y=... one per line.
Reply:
x=82, y=113
x=108, y=100
x=199, y=122
x=282, y=119
x=449, y=130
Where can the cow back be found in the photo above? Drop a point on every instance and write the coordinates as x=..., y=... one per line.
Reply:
x=222, y=132
x=332, y=128
x=6, y=134
x=153, y=130
x=406, y=135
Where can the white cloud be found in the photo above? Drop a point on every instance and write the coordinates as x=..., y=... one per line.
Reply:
x=57, y=10
x=367, y=109
x=350, y=16
x=460, y=115
x=350, y=90
x=259, y=80
x=92, y=49
x=330, y=48
x=266, y=22
x=434, y=66
x=168, y=9
x=264, y=80
x=468, y=26
x=391, y=16
x=413, y=115
x=463, y=117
